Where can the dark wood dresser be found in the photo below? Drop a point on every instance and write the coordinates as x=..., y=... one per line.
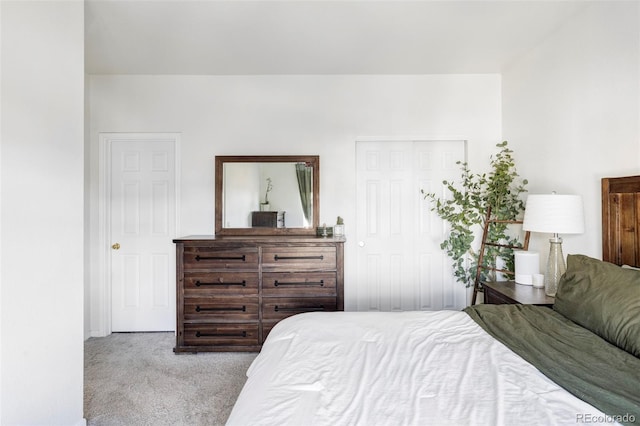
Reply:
x=231, y=290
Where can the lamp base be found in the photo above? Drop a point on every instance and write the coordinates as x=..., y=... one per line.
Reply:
x=555, y=266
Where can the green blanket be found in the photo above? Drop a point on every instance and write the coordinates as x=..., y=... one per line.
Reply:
x=573, y=357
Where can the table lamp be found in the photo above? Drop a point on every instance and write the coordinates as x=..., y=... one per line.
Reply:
x=554, y=214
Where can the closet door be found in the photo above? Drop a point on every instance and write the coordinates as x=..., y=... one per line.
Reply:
x=400, y=263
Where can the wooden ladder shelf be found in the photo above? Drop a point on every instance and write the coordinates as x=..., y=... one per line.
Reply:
x=477, y=286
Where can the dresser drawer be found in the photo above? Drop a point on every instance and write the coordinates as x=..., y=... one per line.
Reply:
x=299, y=283
x=220, y=334
x=493, y=297
x=298, y=258
x=195, y=257
x=221, y=308
x=220, y=283
x=278, y=308
x=266, y=329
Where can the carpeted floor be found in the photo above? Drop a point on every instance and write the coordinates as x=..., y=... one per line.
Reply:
x=135, y=379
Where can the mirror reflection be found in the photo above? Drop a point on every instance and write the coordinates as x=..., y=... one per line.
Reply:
x=267, y=195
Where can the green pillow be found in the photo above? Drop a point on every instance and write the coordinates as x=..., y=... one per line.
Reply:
x=604, y=298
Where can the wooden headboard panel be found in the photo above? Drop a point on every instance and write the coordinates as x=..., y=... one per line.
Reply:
x=620, y=215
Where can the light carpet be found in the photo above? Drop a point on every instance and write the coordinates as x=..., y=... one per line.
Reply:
x=136, y=379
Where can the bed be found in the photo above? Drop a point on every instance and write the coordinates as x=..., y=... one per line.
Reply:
x=577, y=363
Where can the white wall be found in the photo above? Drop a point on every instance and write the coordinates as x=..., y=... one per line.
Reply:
x=244, y=176
x=41, y=199
x=570, y=111
x=262, y=115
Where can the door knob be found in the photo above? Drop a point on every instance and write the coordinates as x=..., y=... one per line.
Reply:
x=361, y=244
x=116, y=246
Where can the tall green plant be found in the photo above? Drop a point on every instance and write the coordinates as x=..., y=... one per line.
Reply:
x=465, y=211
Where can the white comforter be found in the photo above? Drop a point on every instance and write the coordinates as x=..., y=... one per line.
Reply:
x=408, y=368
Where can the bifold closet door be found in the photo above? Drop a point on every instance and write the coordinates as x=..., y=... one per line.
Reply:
x=400, y=265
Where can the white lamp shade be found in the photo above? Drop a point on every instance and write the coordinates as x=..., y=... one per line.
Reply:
x=554, y=214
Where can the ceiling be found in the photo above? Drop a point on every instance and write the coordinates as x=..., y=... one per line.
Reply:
x=315, y=37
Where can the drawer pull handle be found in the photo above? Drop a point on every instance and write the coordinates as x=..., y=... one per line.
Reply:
x=199, y=283
x=200, y=309
x=320, y=283
x=276, y=257
x=199, y=334
x=199, y=258
x=300, y=308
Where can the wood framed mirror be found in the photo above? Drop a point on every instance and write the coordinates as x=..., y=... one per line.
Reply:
x=267, y=195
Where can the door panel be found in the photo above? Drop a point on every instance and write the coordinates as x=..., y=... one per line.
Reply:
x=143, y=209
x=400, y=263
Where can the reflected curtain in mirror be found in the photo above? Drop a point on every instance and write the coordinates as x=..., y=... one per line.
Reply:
x=304, y=172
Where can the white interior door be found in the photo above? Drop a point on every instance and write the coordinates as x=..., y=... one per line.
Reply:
x=142, y=224
x=400, y=263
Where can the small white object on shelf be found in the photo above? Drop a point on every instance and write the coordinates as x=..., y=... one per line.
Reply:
x=527, y=263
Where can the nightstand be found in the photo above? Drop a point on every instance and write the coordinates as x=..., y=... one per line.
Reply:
x=509, y=292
